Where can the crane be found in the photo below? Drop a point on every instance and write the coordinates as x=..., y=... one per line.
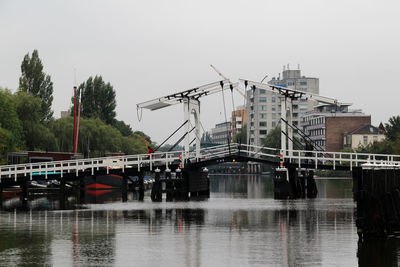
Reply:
x=223, y=76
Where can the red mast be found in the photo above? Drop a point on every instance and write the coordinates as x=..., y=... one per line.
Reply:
x=74, y=118
x=77, y=125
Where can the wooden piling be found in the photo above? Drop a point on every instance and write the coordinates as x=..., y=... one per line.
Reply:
x=156, y=190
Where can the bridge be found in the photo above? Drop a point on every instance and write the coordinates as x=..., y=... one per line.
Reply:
x=294, y=168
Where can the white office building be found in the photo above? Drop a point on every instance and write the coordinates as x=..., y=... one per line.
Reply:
x=263, y=106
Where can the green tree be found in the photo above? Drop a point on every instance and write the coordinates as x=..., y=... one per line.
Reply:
x=98, y=99
x=35, y=82
x=36, y=135
x=125, y=129
x=393, y=128
x=9, y=120
x=273, y=138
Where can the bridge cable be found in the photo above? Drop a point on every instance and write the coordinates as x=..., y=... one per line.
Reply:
x=171, y=135
x=180, y=140
x=303, y=134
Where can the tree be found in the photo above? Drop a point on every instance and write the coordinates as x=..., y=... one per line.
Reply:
x=98, y=99
x=125, y=129
x=9, y=120
x=393, y=128
x=273, y=138
x=35, y=82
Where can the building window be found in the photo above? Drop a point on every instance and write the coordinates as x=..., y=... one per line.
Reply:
x=365, y=139
x=263, y=99
x=303, y=83
x=273, y=108
x=290, y=83
x=273, y=99
x=274, y=115
x=263, y=116
x=262, y=107
x=375, y=138
x=263, y=91
x=273, y=124
x=263, y=123
x=295, y=106
x=303, y=107
x=263, y=131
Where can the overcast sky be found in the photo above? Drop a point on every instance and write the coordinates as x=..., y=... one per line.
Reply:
x=148, y=49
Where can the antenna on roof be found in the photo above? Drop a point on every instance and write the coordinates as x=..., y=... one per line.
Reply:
x=298, y=66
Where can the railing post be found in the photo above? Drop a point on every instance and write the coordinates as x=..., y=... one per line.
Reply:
x=334, y=161
x=316, y=160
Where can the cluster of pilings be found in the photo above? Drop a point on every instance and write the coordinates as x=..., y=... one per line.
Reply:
x=293, y=183
x=183, y=184
x=377, y=193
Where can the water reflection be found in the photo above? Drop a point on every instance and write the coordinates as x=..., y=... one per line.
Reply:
x=239, y=225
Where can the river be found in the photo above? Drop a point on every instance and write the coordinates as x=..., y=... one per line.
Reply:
x=239, y=225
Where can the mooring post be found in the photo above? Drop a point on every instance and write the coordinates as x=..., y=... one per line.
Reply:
x=124, y=188
x=156, y=191
x=141, y=185
x=206, y=193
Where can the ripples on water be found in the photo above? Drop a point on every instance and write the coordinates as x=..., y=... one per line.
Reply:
x=240, y=225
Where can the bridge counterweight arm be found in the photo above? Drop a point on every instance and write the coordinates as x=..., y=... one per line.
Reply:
x=291, y=93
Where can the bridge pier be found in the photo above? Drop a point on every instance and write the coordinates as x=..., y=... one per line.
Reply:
x=377, y=194
x=124, y=188
x=62, y=195
x=24, y=188
x=141, y=185
x=1, y=197
x=156, y=190
x=289, y=184
x=82, y=191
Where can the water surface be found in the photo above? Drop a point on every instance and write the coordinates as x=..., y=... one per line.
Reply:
x=240, y=225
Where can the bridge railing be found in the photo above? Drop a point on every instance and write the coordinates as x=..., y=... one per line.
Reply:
x=92, y=164
x=318, y=158
x=260, y=152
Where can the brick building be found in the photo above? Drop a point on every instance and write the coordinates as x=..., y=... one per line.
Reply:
x=337, y=126
x=327, y=124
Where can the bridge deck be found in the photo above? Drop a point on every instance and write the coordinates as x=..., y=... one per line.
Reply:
x=73, y=169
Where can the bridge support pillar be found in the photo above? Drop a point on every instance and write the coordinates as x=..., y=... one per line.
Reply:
x=82, y=191
x=312, y=190
x=62, y=194
x=24, y=188
x=124, y=188
x=282, y=188
x=1, y=197
x=141, y=185
x=156, y=190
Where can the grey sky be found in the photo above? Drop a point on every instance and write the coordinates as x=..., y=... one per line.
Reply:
x=147, y=49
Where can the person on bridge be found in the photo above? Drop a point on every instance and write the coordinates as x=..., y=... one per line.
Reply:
x=150, y=151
